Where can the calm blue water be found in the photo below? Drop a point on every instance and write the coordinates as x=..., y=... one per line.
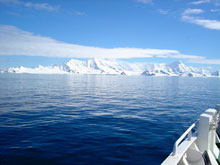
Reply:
x=69, y=119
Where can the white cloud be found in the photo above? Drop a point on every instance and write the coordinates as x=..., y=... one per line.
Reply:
x=163, y=12
x=10, y=1
x=144, y=1
x=214, y=10
x=41, y=6
x=14, y=41
x=200, y=2
x=192, y=11
x=187, y=16
x=209, y=24
x=38, y=6
x=79, y=13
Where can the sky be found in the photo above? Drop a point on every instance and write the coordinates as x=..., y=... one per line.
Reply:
x=55, y=31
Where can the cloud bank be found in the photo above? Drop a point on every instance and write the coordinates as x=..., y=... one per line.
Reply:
x=14, y=41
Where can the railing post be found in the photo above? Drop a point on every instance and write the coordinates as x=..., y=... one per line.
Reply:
x=174, y=149
x=189, y=135
x=204, y=132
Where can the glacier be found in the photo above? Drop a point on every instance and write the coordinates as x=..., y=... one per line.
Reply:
x=113, y=67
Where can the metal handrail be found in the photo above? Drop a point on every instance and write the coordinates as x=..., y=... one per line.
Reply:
x=187, y=132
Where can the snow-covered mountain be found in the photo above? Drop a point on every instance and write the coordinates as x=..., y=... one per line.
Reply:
x=176, y=68
x=104, y=66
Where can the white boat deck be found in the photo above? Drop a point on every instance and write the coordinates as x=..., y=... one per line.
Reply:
x=198, y=147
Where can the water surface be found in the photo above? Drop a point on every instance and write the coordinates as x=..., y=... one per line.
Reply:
x=97, y=119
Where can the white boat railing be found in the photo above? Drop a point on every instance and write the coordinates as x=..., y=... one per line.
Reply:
x=198, y=141
x=188, y=133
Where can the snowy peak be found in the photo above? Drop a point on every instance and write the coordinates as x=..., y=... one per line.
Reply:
x=106, y=66
x=93, y=66
x=178, y=67
x=175, y=64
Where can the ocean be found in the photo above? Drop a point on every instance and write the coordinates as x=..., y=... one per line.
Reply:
x=97, y=119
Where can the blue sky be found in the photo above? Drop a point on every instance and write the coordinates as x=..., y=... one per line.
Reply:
x=52, y=32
